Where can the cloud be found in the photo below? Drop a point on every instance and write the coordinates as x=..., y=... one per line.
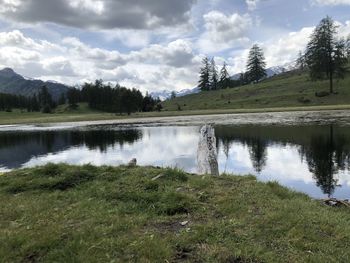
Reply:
x=282, y=50
x=224, y=31
x=330, y=2
x=169, y=66
x=252, y=4
x=101, y=14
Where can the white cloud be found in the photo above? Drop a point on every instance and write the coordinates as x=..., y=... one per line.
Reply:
x=224, y=32
x=169, y=66
x=330, y=2
x=252, y=4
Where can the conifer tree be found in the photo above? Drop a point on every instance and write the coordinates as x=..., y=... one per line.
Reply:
x=213, y=75
x=325, y=54
x=204, y=75
x=256, y=64
x=301, y=61
x=224, y=77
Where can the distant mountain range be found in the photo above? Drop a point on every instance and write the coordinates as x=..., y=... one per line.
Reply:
x=166, y=94
x=273, y=71
x=13, y=83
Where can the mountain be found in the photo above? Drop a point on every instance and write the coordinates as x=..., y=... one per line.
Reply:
x=272, y=71
x=166, y=94
x=13, y=83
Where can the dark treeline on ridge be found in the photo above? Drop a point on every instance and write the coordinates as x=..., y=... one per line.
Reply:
x=41, y=102
x=98, y=96
x=116, y=99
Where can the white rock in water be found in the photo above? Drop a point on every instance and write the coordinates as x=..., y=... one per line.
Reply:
x=207, y=157
x=133, y=162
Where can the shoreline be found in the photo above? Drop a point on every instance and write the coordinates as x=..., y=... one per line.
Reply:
x=13, y=119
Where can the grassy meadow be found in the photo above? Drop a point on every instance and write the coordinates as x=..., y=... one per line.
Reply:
x=291, y=89
x=61, y=213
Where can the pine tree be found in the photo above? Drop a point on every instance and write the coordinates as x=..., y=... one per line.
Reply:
x=204, y=75
x=45, y=100
x=224, y=77
x=301, y=61
x=325, y=55
x=173, y=95
x=62, y=99
x=213, y=75
x=256, y=64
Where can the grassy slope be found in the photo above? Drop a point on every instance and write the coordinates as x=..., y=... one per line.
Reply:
x=285, y=90
x=280, y=93
x=87, y=214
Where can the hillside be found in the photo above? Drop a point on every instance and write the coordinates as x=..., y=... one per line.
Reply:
x=291, y=89
x=13, y=83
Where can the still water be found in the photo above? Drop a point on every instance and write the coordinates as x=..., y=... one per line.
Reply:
x=314, y=159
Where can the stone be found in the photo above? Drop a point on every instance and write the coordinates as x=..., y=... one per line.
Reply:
x=207, y=157
x=157, y=177
x=133, y=162
x=184, y=223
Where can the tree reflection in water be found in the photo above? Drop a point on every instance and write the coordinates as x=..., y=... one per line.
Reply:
x=326, y=155
x=326, y=149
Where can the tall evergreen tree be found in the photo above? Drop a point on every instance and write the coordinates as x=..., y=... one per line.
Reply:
x=256, y=64
x=213, y=75
x=204, y=75
x=45, y=100
x=224, y=77
x=301, y=61
x=325, y=54
x=62, y=99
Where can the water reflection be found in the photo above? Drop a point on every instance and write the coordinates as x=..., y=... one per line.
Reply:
x=312, y=159
x=17, y=148
x=326, y=155
x=325, y=149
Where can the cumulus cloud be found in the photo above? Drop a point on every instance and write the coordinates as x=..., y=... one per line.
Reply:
x=331, y=2
x=157, y=67
x=224, y=31
x=282, y=50
x=101, y=14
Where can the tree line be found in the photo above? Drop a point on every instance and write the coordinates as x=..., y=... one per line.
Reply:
x=99, y=96
x=41, y=102
x=114, y=99
x=326, y=57
x=211, y=79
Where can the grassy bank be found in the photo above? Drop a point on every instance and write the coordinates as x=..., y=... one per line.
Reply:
x=17, y=117
x=61, y=213
x=292, y=89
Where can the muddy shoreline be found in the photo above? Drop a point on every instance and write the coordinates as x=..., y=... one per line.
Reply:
x=338, y=117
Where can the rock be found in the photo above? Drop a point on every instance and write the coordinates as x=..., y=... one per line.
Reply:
x=133, y=162
x=157, y=177
x=184, y=223
x=207, y=157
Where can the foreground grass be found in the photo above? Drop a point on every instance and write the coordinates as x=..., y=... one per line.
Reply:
x=61, y=213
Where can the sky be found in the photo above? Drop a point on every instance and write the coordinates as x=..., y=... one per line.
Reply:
x=154, y=45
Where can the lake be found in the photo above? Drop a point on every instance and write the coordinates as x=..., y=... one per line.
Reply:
x=309, y=156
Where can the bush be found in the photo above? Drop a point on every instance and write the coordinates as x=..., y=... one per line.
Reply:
x=322, y=94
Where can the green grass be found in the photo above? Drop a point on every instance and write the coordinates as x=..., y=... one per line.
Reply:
x=286, y=92
x=61, y=213
x=290, y=89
